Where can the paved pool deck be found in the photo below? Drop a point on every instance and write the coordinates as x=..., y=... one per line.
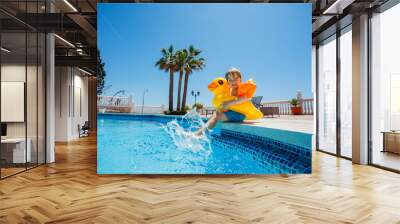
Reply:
x=299, y=123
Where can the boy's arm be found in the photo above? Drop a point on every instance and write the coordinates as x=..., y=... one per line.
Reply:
x=239, y=100
x=246, y=92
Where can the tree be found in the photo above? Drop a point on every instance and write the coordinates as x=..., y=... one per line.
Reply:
x=193, y=63
x=181, y=57
x=101, y=74
x=167, y=63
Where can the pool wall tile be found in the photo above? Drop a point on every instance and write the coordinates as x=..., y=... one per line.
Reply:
x=284, y=136
x=287, y=158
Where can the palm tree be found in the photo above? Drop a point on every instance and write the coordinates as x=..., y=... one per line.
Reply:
x=167, y=63
x=193, y=63
x=101, y=74
x=181, y=57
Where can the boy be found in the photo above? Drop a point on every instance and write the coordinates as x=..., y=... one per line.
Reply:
x=234, y=78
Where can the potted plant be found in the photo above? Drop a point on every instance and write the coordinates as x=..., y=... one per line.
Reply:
x=296, y=107
x=198, y=106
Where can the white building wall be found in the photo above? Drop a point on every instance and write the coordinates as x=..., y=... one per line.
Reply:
x=50, y=93
x=79, y=103
x=61, y=103
x=360, y=90
x=71, y=102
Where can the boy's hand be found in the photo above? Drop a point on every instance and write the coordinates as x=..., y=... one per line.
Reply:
x=225, y=105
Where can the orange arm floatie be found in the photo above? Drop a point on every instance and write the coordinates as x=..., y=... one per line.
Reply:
x=247, y=89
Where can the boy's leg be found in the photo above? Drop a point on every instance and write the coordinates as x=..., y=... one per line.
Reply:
x=219, y=116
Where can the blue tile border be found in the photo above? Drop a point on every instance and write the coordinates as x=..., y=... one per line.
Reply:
x=285, y=136
x=269, y=142
x=287, y=158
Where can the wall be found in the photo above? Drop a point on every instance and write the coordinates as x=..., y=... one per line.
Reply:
x=17, y=72
x=360, y=90
x=80, y=109
x=71, y=102
x=33, y=126
x=62, y=81
x=14, y=73
x=92, y=106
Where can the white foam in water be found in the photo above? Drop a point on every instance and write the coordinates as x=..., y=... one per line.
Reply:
x=184, y=137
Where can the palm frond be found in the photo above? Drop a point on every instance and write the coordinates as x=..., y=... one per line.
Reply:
x=168, y=59
x=164, y=51
x=171, y=49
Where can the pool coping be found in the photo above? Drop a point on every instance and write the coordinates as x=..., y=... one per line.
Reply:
x=297, y=138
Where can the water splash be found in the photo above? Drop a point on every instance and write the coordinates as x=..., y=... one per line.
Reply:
x=183, y=133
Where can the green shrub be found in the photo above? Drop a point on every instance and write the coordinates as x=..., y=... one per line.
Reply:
x=294, y=102
x=175, y=112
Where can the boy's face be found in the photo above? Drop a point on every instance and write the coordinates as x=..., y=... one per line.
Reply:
x=234, y=81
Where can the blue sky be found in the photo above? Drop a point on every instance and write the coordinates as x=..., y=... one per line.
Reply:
x=270, y=43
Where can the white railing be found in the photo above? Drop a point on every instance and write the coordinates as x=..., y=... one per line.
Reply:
x=207, y=111
x=284, y=106
x=124, y=104
x=146, y=109
x=115, y=103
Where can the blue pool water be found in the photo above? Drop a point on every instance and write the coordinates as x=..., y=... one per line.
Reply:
x=129, y=144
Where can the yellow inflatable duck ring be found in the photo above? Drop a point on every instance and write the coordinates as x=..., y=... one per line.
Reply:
x=220, y=88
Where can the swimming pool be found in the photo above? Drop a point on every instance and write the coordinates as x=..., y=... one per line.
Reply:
x=140, y=144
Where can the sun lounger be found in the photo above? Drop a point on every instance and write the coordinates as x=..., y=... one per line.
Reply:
x=270, y=111
x=257, y=101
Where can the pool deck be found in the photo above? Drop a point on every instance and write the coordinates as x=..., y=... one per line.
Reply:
x=300, y=123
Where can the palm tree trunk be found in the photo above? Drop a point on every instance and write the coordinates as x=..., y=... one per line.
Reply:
x=185, y=91
x=171, y=90
x=178, y=105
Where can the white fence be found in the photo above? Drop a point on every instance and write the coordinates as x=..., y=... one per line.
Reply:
x=148, y=109
x=284, y=106
x=207, y=111
x=114, y=103
x=124, y=104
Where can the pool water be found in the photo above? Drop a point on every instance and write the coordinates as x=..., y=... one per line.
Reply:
x=143, y=145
